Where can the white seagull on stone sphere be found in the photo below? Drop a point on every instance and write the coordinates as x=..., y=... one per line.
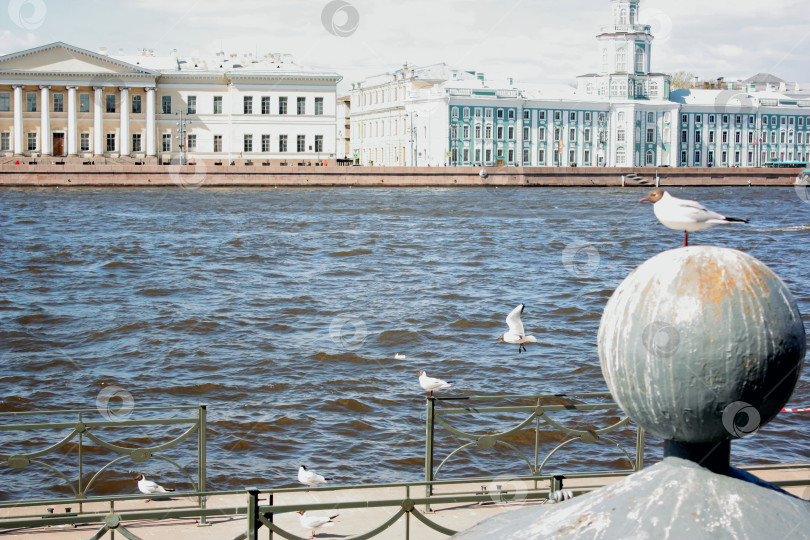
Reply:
x=516, y=334
x=147, y=487
x=431, y=383
x=310, y=478
x=684, y=215
x=315, y=522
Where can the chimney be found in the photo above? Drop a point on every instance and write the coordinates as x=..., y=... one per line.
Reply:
x=102, y=51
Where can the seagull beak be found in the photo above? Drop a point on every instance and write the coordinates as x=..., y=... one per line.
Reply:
x=645, y=199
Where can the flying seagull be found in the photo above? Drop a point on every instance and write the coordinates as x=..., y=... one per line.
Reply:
x=430, y=383
x=516, y=334
x=684, y=215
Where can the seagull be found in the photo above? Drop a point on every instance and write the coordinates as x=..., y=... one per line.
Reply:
x=147, y=487
x=516, y=334
x=315, y=522
x=310, y=478
x=684, y=215
x=398, y=356
x=430, y=383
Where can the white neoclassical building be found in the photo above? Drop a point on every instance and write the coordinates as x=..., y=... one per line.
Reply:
x=624, y=114
x=62, y=101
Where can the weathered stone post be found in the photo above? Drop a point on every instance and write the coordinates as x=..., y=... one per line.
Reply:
x=699, y=346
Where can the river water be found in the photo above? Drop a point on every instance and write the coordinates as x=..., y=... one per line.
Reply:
x=287, y=312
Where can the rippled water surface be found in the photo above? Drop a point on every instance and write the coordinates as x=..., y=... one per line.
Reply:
x=283, y=310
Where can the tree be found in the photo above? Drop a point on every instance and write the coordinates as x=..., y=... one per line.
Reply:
x=681, y=79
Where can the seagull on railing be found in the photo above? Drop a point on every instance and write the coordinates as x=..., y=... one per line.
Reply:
x=315, y=522
x=684, y=215
x=516, y=334
x=310, y=478
x=147, y=487
x=431, y=383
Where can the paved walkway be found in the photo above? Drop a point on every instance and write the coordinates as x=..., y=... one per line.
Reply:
x=350, y=523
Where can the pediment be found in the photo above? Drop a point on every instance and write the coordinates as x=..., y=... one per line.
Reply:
x=63, y=58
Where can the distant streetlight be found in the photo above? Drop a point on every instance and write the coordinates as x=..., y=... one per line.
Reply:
x=181, y=135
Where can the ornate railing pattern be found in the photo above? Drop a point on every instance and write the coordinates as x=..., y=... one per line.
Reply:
x=537, y=409
x=82, y=430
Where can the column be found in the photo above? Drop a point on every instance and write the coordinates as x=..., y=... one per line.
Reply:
x=18, y=119
x=72, y=145
x=98, y=121
x=45, y=127
x=150, y=121
x=519, y=136
x=123, y=145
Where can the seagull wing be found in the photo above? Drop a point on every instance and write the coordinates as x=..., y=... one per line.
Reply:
x=514, y=322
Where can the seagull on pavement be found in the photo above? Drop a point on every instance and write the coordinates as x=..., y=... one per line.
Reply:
x=147, y=487
x=430, y=383
x=684, y=215
x=516, y=334
x=310, y=478
x=315, y=522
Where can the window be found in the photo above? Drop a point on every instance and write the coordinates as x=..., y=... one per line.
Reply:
x=737, y=158
x=5, y=101
x=620, y=135
x=454, y=132
x=602, y=117
x=541, y=155
x=510, y=133
x=301, y=105
x=526, y=156
x=478, y=113
x=466, y=131
x=620, y=156
x=265, y=104
x=557, y=116
x=301, y=144
x=697, y=157
x=724, y=156
x=650, y=118
x=621, y=117
x=697, y=136
x=32, y=142
x=217, y=143
x=136, y=142
x=319, y=144
x=711, y=119
x=684, y=119
x=31, y=102
x=640, y=59
x=84, y=102
x=136, y=104
x=247, y=143
x=59, y=103
x=191, y=105
x=488, y=114
x=541, y=116
x=750, y=137
x=526, y=133
x=586, y=157
x=587, y=135
x=587, y=117
x=5, y=141
x=572, y=116
x=541, y=134
x=488, y=131
x=478, y=155
x=511, y=114
x=454, y=155
x=782, y=137
x=192, y=143
x=466, y=115
x=265, y=143
x=282, y=105
x=650, y=157
x=683, y=158
x=488, y=155
x=166, y=142
x=527, y=115
x=572, y=134
x=110, y=142
x=800, y=137
x=764, y=120
x=510, y=156
x=500, y=132
x=725, y=119
x=478, y=131
x=166, y=104
x=684, y=136
x=318, y=106
x=84, y=142
x=621, y=61
x=738, y=119
x=217, y=104
x=737, y=137
x=500, y=114
x=711, y=137
x=572, y=157
x=698, y=118
x=650, y=135
x=247, y=105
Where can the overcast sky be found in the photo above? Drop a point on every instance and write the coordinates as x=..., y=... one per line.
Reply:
x=530, y=40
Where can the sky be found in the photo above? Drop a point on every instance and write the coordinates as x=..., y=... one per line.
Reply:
x=532, y=41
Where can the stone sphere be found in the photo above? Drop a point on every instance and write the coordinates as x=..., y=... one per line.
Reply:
x=701, y=344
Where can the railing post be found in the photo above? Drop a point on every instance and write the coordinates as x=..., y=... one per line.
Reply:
x=202, y=418
x=81, y=469
x=407, y=515
x=639, y=449
x=253, y=523
x=429, y=448
x=270, y=514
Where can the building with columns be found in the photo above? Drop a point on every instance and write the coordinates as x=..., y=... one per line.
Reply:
x=62, y=101
x=623, y=115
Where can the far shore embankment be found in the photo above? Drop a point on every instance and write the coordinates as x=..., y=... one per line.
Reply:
x=210, y=175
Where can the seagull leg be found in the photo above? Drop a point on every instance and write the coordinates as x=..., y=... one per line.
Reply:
x=685, y=239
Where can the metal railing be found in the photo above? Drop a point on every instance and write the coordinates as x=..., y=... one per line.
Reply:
x=537, y=409
x=83, y=430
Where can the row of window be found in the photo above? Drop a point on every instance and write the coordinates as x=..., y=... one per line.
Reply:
x=480, y=112
x=111, y=104
x=166, y=146
x=772, y=120
x=487, y=154
x=765, y=157
x=784, y=137
x=510, y=133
